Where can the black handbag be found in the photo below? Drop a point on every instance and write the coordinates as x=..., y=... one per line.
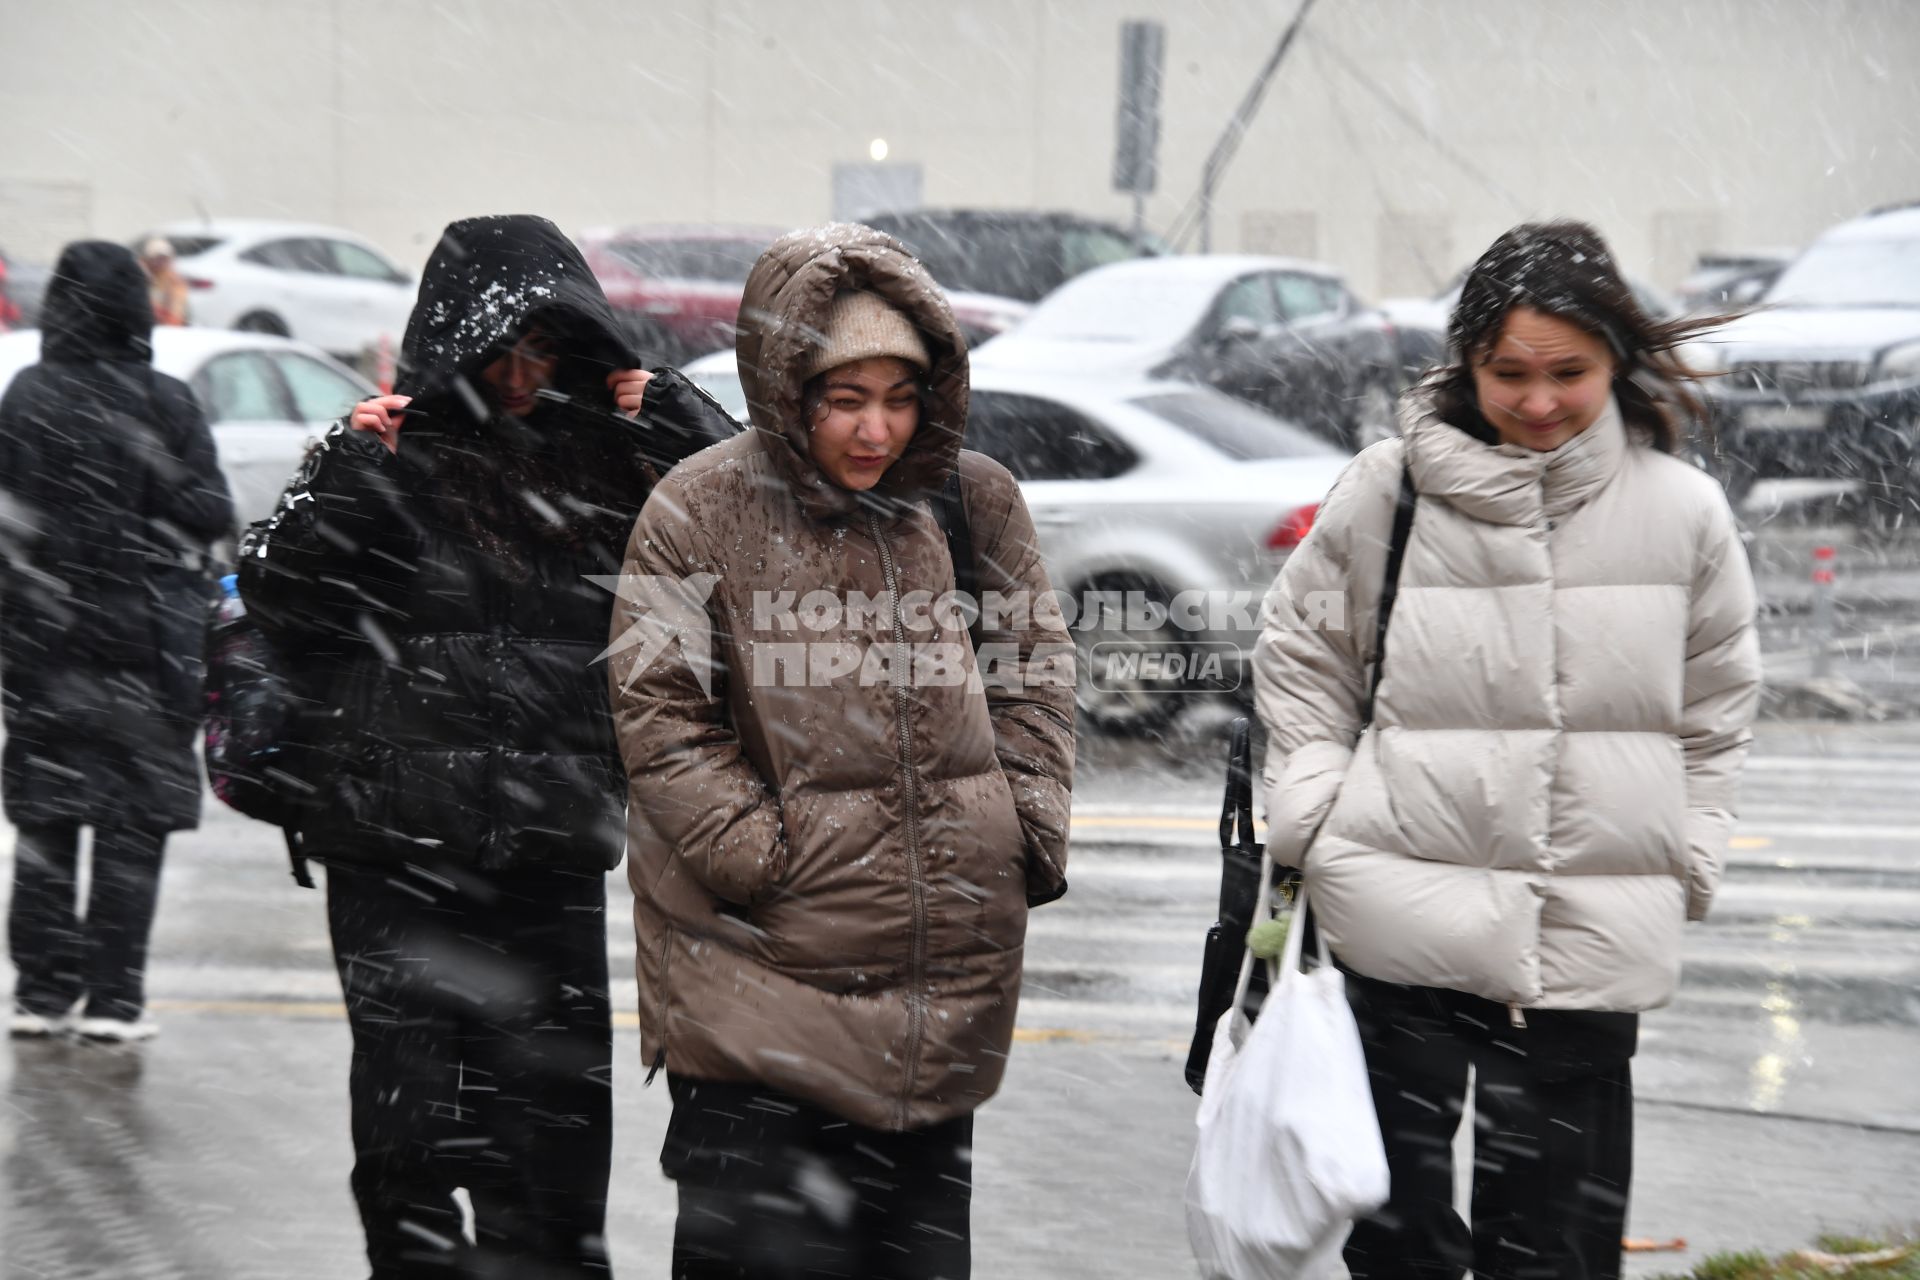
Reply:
x=1241, y=855
x=1239, y=896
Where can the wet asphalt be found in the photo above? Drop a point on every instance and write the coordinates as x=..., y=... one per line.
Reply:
x=1778, y=1096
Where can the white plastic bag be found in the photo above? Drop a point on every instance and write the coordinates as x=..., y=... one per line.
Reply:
x=1289, y=1149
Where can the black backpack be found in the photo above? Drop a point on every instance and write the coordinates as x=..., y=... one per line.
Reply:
x=950, y=513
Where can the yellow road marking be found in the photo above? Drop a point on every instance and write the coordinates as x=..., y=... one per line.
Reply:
x=1165, y=822
x=1155, y=822
x=255, y=1008
x=625, y=1020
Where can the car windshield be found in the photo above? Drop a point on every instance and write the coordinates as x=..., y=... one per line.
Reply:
x=1238, y=430
x=1123, y=307
x=724, y=261
x=1852, y=273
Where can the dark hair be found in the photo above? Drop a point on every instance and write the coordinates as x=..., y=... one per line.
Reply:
x=1565, y=270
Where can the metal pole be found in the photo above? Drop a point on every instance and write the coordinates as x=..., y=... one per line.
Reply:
x=1823, y=623
x=1229, y=140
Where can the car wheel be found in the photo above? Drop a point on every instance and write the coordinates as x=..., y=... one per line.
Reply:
x=262, y=322
x=1375, y=417
x=1116, y=693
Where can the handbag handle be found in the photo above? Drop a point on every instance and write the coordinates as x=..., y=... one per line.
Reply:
x=1236, y=806
x=1291, y=953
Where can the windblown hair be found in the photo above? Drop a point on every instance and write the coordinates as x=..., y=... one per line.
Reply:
x=1565, y=270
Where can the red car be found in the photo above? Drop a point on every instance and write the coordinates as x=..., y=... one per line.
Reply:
x=679, y=287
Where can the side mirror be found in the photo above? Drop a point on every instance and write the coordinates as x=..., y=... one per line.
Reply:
x=1235, y=329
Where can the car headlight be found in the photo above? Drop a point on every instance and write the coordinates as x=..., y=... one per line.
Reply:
x=1899, y=363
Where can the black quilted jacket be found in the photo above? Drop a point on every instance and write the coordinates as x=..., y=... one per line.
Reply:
x=440, y=601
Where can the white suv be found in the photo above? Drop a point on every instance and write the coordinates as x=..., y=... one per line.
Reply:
x=319, y=285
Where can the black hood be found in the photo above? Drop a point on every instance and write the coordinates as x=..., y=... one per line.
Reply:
x=96, y=306
x=487, y=280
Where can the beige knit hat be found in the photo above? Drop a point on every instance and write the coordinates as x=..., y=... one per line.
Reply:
x=860, y=326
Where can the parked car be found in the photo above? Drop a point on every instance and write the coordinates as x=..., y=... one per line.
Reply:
x=1286, y=336
x=1150, y=487
x=23, y=285
x=267, y=399
x=1726, y=279
x=996, y=263
x=678, y=288
x=1019, y=254
x=319, y=285
x=1823, y=381
x=1420, y=324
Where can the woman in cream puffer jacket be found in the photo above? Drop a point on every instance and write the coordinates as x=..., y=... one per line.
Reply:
x=1504, y=859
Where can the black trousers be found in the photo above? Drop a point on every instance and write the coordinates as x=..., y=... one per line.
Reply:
x=63, y=956
x=1553, y=1137
x=482, y=1059
x=773, y=1188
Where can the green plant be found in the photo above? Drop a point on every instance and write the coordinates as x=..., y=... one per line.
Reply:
x=1898, y=1259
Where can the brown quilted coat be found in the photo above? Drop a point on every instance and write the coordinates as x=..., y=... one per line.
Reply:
x=831, y=870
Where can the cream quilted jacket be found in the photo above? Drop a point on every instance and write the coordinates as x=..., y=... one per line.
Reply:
x=1570, y=678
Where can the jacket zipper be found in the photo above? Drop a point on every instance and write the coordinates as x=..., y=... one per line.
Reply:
x=916, y=878
x=1517, y=1016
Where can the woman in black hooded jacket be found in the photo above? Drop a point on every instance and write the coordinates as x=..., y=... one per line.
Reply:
x=109, y=495
x=432, y=578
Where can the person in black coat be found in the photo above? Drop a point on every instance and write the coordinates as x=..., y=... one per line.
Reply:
x=110, y=493
x=431, y=574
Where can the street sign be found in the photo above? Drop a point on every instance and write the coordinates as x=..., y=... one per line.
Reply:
x=1137, y=134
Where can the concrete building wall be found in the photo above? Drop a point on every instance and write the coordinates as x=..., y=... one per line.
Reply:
x=1398, y=138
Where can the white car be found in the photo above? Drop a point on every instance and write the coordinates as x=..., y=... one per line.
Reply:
x=267, y=400
x=1280, y=334
x=319, y=285
x=1173, y=492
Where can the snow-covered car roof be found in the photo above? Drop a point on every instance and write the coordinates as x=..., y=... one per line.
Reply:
x=176, y=351
x=1895, y=224
x=1065, y=387
x=1113, y=401
x=1216, y=268
x=245, y=231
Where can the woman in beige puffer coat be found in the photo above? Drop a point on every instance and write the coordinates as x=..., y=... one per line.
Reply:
x=1503, y=860
x=836, y=829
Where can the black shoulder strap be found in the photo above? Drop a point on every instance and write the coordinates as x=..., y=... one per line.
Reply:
x=950, y=511
x=1390, y=585
x=1236, y=806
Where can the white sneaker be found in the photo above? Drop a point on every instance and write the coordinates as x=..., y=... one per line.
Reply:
x=34, y=1026
x=118, y=1030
